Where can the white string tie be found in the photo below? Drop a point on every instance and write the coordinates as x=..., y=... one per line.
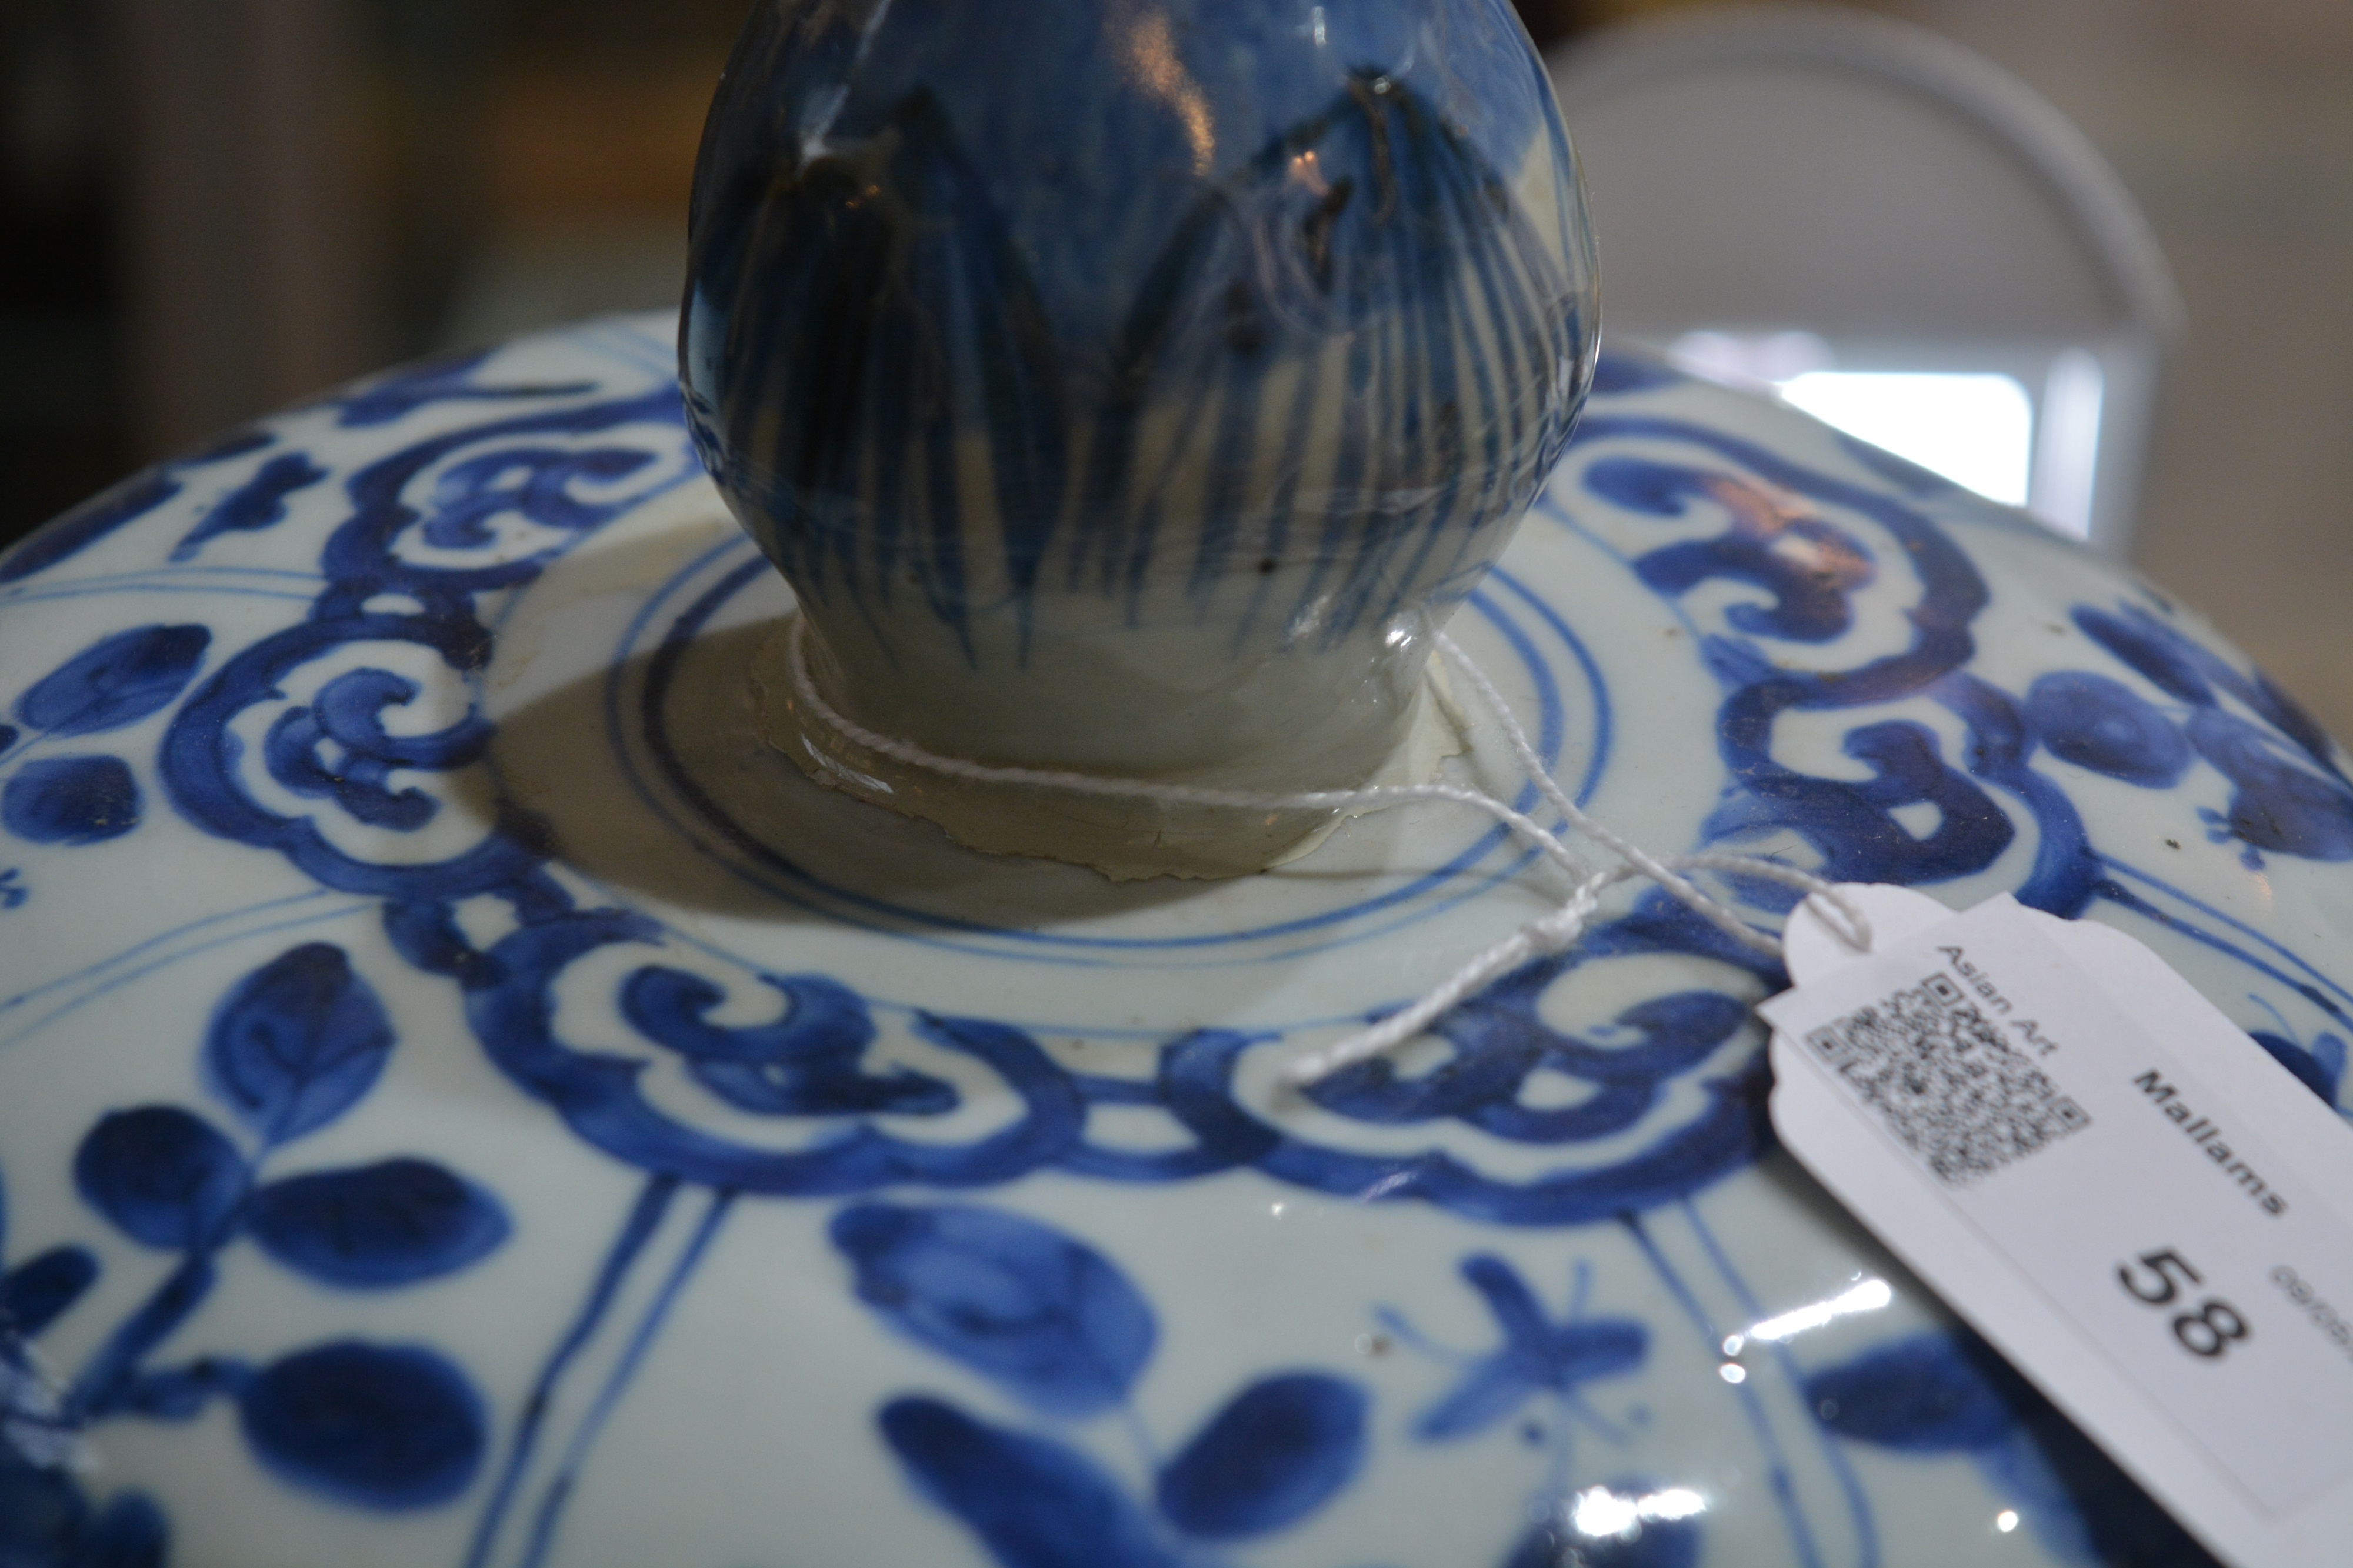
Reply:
x=1549, y=934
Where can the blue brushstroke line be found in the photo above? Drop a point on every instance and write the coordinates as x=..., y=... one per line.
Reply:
x=2113, y=864
x=1857, y=1500
x=215, y=591
x=1672, y=606
x=1604, y=719
x=2116, y=892
x=680, y=633
x=1549, y=744
x=112, y=579
x=644, y=1218
x=1785, y=1492
x=583, y=1438
x=133, y=951
x=683, y=631
x=96, y=992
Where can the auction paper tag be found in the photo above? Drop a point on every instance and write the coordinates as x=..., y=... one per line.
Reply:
x=2110, y=1181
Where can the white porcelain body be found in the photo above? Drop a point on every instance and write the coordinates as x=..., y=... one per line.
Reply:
x=704, y=1168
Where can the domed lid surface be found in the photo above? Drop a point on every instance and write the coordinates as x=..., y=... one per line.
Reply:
x=466, y=1100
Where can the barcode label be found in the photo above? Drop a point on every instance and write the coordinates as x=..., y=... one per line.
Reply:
x=1944, y=1081
x=2109, y=1231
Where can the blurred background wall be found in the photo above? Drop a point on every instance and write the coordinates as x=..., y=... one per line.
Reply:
x=212, y=207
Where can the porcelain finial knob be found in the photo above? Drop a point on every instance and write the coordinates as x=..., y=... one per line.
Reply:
x=1130, y=387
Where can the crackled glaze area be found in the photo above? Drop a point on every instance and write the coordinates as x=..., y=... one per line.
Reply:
x=465, y=1099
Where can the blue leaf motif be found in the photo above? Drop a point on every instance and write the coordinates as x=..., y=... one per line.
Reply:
x=382, y=1426
x=38, y=1508
x=164, y=1176
x=2153, y=650
x=1920, y=1395
x=2278, y=806
x=89, y=523
x=35, y=1293
x=1938, y=1394
x=2102, y=725
x=47, y=1521
x=1276, y=1453
x=376, y=1225
x=1033, y=1502
x=129, y=1533
x=115, y=681
x=259, y=503
x=1050, y=1320
x=71, y=800
x=8, y=736
x=2319, y=1070
x=298, y=1042
x=2078, y=1504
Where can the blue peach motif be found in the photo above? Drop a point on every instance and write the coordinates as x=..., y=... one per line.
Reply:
x=297, y=1043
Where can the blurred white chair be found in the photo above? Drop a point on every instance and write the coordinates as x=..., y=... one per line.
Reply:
x=1891, y=231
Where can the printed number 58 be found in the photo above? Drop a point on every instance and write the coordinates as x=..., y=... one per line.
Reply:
x=2163, y=1265
x=2205, y=1330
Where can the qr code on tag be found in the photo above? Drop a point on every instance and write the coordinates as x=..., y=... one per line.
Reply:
x=1946, y=1081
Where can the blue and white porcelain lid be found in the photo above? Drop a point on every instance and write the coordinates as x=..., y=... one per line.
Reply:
x=466, y=1100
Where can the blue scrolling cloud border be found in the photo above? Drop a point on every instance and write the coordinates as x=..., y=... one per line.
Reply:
x=431, y=534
